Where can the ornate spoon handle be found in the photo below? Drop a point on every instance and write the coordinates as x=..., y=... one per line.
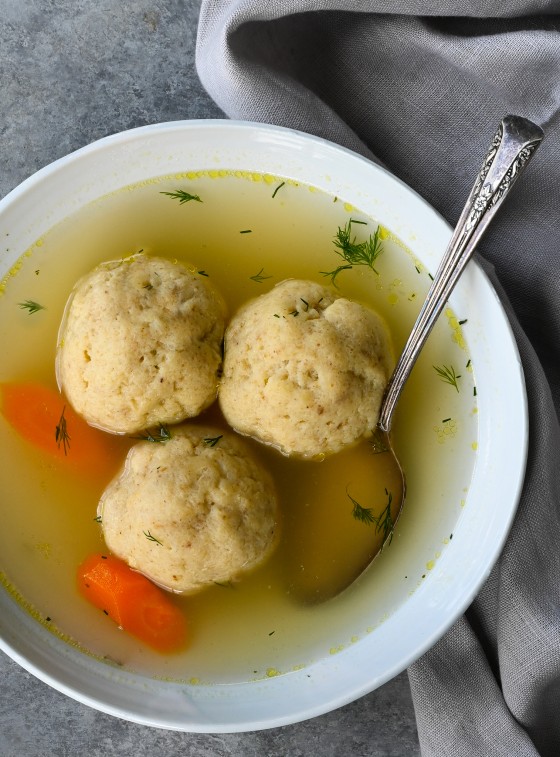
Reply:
x=513, y=146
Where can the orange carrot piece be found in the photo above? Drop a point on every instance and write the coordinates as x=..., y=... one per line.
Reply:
x=42, y=416
x=132, y=601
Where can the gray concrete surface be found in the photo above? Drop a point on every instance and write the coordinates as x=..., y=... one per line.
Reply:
x=72, y=71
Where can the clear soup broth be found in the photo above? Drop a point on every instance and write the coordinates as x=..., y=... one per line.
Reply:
x=247, y=233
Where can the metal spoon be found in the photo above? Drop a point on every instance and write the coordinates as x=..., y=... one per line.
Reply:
x=512, y=148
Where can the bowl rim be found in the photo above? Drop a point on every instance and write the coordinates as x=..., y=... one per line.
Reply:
x=48, y=664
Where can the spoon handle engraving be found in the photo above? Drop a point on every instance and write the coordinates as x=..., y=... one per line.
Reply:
x=511, y=150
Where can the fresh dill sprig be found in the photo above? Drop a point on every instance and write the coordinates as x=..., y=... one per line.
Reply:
x=163, y=434
x=358, y=253
x=61, y=434
x=363, y=514
x=354, y=252
x=334, y=273
x=150, y=537
x=31, y=306
x=182, y=196
x=211, y=441
x=383, y=522
x=259, y=277
x=448, y=375
x=246, y=231
x=98, y=519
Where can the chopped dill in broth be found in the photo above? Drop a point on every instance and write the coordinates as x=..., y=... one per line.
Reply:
x=246, y=234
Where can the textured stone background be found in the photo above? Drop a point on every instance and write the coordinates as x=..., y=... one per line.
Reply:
x=72, y=71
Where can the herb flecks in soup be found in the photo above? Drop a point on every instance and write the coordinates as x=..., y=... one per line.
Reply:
x=237, y=630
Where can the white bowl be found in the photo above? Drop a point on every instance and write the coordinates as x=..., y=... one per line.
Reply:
x=399, y=632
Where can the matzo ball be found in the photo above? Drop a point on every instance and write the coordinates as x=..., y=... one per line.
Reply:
x=304, y=369
x=192, y=511
x=140, y=344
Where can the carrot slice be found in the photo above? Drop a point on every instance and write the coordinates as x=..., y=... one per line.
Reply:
x=132, y=601
x=41, y=416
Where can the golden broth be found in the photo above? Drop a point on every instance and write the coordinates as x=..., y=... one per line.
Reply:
x=248, y=233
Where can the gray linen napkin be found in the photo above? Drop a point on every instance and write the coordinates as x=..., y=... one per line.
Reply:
x=421, y=87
